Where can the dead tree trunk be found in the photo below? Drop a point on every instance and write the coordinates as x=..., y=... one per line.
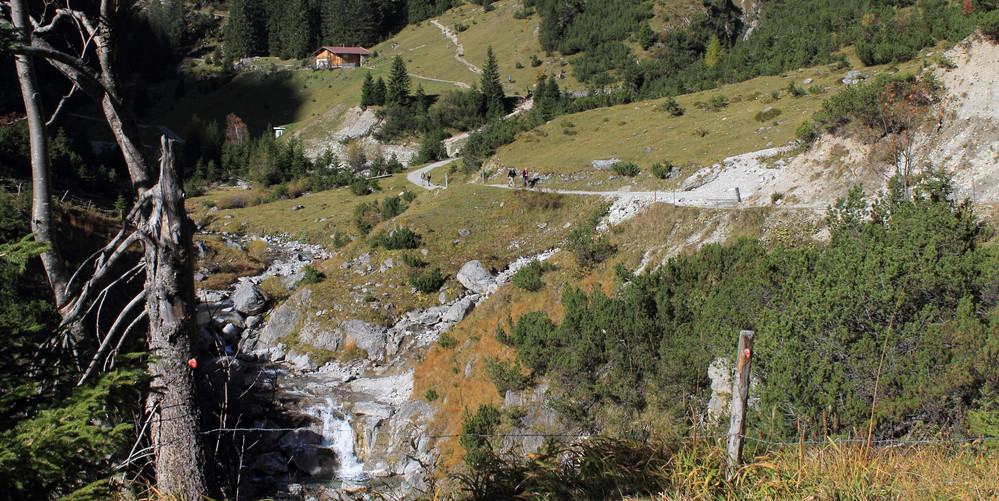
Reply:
x=160, y=224
x=170, y=308
x=740, y=397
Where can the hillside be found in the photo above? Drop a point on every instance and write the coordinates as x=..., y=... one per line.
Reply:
x=383, y=312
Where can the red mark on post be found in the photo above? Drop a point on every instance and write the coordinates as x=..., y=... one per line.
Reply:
x=747, y=353
x=194, y=363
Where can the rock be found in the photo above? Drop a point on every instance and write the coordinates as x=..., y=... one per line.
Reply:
x=457, y=312
x=442, y=297
x=806, y=81
x=369, y=337
x=298, y=207
x=284, y=319
x=415, y=475
x=475, y=277
x=604, y=164
x=254, y=321
x=313, y=334
x=304, y=362
x=719, y=372
x=248, y=299
x=224, y=318
x=307, y=460
x=388, y=264
x=698, y=179
x=464, y=232
x=269, y=464
x=231, y=333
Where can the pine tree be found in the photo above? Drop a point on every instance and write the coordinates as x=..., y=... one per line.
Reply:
x=244, y=31
x=492, y=90
x=367, y=91
x=378, y=93
x=398, y=85
x=420, y=99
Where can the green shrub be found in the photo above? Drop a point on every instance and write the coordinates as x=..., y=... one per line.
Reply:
x=588, y=250
x=662, y=170
x=400, y=237
x=528, y=278
x=366, y=216
x=627, y=169
x=361, y=186
x=768, y=114
x=795, y=89
x=775, y=95
x=413, y=261
x=430, y=395
x=990, y=26
x=672, y=107
x=311, y=276
x=459, y=27
x=717, y=102
x=427, y=282
x=535, y=62
x=447, y=342
x=523, y=14
x=807, y=131
x=475, y=431
x=817, y=89
x=339, y=239
x=392, y=207
x=506, y=375
x=776, y=196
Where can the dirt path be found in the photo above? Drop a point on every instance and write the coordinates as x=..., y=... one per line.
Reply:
x=415, y=176
x=463, y=85
x=459, y=50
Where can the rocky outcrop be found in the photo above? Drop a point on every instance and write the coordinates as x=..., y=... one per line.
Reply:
x=368, y=337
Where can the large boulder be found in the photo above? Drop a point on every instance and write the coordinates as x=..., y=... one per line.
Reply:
x=248, y=299
x=369, y=337
x=457, y=312
x=475, y=277
x=283, y=321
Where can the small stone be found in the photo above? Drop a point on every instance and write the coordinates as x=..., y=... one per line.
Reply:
x=464, y=232
x=298, y=207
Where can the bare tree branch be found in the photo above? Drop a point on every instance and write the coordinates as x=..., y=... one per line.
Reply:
x=136, y=302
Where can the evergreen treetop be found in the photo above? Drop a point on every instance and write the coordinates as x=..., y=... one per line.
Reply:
x=397, y=93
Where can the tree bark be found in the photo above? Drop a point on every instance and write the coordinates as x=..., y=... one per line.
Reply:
x=170, y=308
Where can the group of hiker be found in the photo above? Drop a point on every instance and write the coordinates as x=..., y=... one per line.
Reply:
x=512, y=175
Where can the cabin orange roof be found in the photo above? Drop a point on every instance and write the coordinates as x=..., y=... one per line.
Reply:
x=343, y=50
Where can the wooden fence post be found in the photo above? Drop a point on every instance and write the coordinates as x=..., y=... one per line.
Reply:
x=740, y=396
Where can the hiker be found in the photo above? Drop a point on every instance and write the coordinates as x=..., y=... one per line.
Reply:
x=429, y=182
x=512, y=174
x=524, y=175
x=423, y=178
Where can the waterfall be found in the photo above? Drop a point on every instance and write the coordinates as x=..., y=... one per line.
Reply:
x=338, y=436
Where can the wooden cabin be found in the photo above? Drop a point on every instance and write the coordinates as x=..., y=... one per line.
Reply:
x=340, y=57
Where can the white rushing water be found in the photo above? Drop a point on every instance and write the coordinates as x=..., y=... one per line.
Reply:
x=338, y=435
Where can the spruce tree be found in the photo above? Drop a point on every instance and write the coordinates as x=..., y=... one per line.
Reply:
x=367, y=91
x=492, y=90
x=398, y=85
x=244, y=31
x=378, y=93
x=420, y=99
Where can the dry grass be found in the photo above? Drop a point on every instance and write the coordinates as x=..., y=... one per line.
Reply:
x=840, y=472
